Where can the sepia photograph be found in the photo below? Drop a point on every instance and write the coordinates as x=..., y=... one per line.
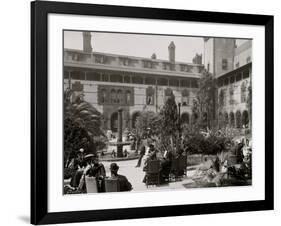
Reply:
x=154, y=112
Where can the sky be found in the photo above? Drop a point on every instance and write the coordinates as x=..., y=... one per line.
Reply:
x=138, y=45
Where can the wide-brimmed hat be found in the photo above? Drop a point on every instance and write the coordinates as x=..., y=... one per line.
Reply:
x=89, y=156
x=81, y=150
x=114, y=166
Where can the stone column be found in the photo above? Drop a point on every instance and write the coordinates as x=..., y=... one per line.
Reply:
x=119, y=139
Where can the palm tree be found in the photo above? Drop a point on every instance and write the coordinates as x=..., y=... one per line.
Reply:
x=82, y=126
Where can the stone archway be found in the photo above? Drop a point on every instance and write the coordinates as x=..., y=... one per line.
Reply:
x=185, y=118
x=232, y=119
x=226, y=122
x=238, y=119
x=245, y=119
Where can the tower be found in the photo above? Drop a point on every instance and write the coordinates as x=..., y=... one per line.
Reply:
x=219, y=55
x=87, y=46
x=172, y=52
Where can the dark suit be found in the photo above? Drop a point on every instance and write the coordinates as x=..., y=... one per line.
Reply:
x=124, y=184
x=142, y=153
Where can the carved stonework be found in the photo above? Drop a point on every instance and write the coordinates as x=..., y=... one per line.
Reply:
x=115, y=95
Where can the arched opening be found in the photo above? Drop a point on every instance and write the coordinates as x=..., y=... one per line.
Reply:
x=114, y=122
x=119, y=96
x=134, y=119
x=185, y=118
x=245, y=119
x=221, y=119
x=185, y=97
x=226, y=118
x=205, y=119
x=168, y=94
x=113, y=96
x=232, y=120
x=103, y=96
x=243, y=92
x=128, y=97
x=238, y=119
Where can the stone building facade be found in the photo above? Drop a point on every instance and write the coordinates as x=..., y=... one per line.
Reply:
x=135, y=84
x=232, y=67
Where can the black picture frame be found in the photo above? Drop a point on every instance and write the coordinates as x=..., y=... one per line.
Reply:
x=39, y=112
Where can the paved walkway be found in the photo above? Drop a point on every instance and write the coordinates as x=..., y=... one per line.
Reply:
x=136, y=175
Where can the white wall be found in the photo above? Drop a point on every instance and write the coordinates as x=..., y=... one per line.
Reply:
x=15, y=113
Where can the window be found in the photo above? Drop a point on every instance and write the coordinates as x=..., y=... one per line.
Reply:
x=137, y=80
x=147, y=64
x=119, y=98
x=237, y=65
x=168, y=66
x=243, y=92
x=149, y=81
x=183, y=67
x=150, y=96
x=184, y=83
x=225, y=81
x=93, y=76
x=231, y=95
x=128, y=97
x=77, y=86
x=208, y=67
x=185, y=97
x=116, y=78
x=162, y=82
x=124, y=61
x=99, y=59
x=78, y=75
x=224, y=64
x=248, y=59
x=113, y=96
x=222, y=97
x=127, y=79
x=174, y=82
x=105, y=77
x=246, y=74
x=238, y=77
x=103, y=96
x=168, y=94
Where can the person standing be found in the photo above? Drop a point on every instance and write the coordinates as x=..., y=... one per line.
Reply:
x=142, y=153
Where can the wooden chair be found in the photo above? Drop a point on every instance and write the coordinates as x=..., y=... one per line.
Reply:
x=182, y=161
x=91, y=184
x=179, y=165
x=111, y=185
x=153, y=172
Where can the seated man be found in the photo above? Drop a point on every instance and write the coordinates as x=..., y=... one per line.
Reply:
x=124, y=184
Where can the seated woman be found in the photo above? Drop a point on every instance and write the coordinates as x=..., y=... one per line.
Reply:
x=93, y=169
x=151, y=156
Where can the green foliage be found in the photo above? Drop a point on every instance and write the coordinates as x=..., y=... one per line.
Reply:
x=169, y=115
x=209, y=143
x=205, y=102
x=147, y=119
x=82, y=127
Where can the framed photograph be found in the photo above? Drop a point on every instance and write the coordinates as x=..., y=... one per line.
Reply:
x=145, y=112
